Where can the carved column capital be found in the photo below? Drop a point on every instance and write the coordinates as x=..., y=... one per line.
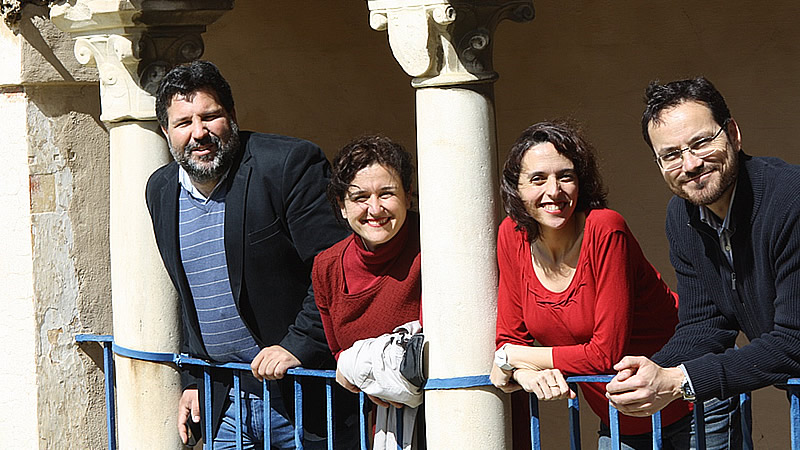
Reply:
x=133, y=46
x=445, y=42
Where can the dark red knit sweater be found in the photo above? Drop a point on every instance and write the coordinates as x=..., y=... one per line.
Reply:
x=362, y=294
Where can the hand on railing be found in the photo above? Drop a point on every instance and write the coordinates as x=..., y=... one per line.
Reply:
x=642, y=387
x=385, y=403
x=502, y=379
x=548, y=384
x=272, y=362
x=345, y=383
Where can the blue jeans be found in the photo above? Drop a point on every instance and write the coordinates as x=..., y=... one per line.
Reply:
x=723, y=424
x=674, y=436
x=282, y=433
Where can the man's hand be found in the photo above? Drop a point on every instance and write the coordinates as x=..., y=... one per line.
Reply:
x=548, y=384
x=272, y=362
x=642, y=387
x=188, y=406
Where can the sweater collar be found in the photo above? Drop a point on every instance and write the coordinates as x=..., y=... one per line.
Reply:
x=377, y=261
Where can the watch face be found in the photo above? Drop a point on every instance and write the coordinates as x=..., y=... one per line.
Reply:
x=686, y=390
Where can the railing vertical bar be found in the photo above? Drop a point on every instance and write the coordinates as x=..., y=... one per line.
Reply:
x=298, y=414
x=329, y=405
x=399, y=426
x=111, y=411
x=362, y=420
x=237, y=387
x=746, y=415
x=656, y=420
x=536, y=438
x=699, y=426
x=574, y=419
x=613, y=424
x=267, y=414
x=207, y=432
x=794, y=415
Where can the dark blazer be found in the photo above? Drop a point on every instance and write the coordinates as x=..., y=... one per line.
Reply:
x=276, y=220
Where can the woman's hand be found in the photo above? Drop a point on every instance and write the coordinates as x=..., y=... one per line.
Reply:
x=548, y=384
x=345, y=383
x=502, y=379
x=385, y=403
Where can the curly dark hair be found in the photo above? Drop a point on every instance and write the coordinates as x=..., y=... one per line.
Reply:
x=188, y=78
x=659, y=97
x=568, y=142
x=363, y=152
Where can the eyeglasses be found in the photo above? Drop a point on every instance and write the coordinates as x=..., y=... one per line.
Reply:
x=702, y=148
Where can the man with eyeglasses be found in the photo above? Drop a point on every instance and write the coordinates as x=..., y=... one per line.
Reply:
x=734, y=233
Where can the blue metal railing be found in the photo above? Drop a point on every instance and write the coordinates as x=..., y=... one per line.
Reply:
x=745, y=402
x=109, y=348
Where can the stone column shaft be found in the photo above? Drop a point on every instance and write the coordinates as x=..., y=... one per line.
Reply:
x=446, y=46
x=145, y=306
x=457, y=200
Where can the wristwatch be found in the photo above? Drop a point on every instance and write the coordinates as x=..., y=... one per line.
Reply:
x=686, y=387
x=501, y=358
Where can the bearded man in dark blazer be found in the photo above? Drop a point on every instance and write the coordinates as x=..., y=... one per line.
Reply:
x=238, y=218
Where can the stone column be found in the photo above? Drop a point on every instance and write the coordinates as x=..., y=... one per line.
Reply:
x=446, y=46
x=133, y=44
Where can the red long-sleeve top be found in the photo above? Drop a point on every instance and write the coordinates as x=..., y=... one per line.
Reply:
x=616, y=305
x=362, y=294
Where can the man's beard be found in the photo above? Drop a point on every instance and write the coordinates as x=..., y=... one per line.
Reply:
x=220, y=160
x=705, y=197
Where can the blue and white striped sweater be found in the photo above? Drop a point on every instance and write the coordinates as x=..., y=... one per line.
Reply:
x=201, y=228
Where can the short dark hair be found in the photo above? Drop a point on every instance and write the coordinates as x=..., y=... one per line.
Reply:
x=659, y=97
x=363, y=152
x=568, y=142
x=188, y=78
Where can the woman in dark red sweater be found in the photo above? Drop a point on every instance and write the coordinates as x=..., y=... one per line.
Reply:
x=369, y=283
x=573, y=280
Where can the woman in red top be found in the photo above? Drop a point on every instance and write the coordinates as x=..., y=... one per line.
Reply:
x=574, y=280
x=369, y=283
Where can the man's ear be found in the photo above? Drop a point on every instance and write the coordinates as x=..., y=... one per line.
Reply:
x=734, y=134
x=166, y=136
x=343, y=210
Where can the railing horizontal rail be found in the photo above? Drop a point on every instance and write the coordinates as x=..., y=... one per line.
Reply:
x=110, y=348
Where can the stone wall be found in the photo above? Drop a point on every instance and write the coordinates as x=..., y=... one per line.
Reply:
x=69, y=215
x=56, y=210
